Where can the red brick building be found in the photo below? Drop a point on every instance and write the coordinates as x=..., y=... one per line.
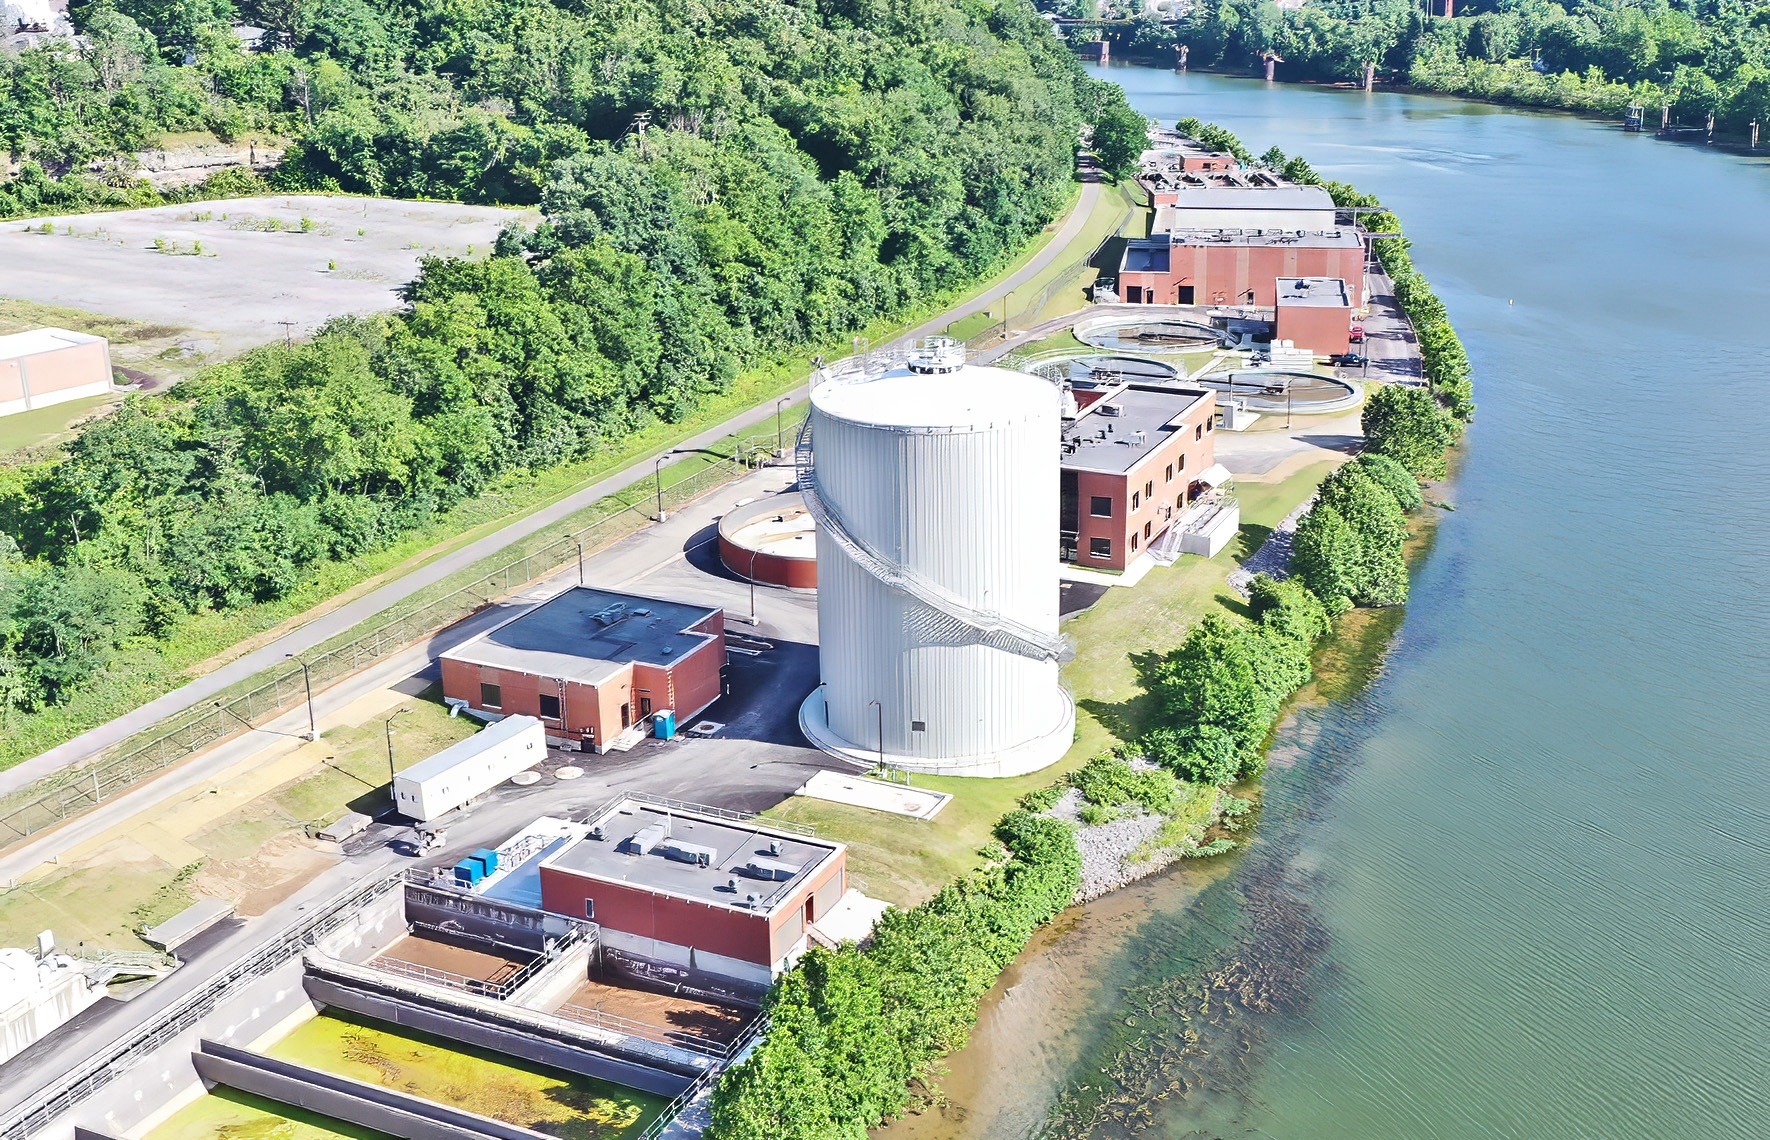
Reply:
x=1135, y=456
x=727, y=897
x=1314, y=313
x=592, y=663
x=1236, y=267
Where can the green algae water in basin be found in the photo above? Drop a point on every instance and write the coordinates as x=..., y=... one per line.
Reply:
x=228, y=1115
x=560, y=1104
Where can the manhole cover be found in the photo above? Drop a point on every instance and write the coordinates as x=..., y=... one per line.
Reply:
x=569, y=772
x=524, y=779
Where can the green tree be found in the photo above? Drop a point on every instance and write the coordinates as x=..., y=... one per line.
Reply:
x=1121, y=136
x=1408, y=426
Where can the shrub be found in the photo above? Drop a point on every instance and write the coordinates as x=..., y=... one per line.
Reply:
x=1288, y=607
x=1041, y=799
x=1394, y=479
x=1408, y=426
x=1111, y=782
x=1349, y=546
x=1220, y=691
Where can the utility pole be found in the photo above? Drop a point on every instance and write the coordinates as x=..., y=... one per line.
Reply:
x=881, y=709
x=313, y=731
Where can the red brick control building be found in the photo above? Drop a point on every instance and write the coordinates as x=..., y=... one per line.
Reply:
x=1135, y=456
x=725, y=897
x=592, y=663
x=1236, y=267
x=1314, y=313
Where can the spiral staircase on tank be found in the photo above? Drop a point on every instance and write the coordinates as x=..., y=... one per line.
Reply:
x=944, y=617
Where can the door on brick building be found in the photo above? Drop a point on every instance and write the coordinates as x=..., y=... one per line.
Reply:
x=626, y=715
x=1185, y=295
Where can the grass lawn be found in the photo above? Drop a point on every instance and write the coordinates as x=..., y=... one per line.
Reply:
x=112, y=891
x=905, y=861
x=355, y=776
x=47, y=425
x=1118, y=210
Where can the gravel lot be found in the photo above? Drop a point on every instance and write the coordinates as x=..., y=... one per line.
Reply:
x=258, y=264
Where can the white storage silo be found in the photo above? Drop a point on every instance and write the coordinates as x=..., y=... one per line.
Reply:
x=935, y=488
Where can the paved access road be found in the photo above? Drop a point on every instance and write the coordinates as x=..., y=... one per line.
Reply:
x=329, y=625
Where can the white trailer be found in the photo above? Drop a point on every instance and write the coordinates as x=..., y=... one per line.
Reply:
x=470, y=768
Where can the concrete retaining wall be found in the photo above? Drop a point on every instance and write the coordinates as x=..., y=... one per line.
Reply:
x=341, y=1098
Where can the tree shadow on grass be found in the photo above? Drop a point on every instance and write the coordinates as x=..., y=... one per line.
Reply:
x=1251, y=537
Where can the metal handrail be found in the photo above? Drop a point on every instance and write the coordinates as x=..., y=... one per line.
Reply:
x=666, y=802
x=104, y=1066
x=946, y=616
x=700, y=1084
x=675, y=1038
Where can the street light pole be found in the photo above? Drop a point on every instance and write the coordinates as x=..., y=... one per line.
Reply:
x=658, y=474
x=313, y=731
x=391, y=774
x=881, y=709
x=780, y=438
x=580, y=545
x=753, y=553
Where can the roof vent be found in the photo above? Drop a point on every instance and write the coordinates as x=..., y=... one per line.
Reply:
x=1112, y=409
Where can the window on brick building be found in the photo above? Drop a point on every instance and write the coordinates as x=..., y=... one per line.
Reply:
x=1170, y=477
x=1198, y=432
x=490, y=696
x=1100, y=548
x=1147, y=528
x=1149, y=489
x=549, y=707
x=1100, y=506
x=1136, y=500
x=1133, y=542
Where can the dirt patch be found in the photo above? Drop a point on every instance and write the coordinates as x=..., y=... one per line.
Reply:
x=274, y=870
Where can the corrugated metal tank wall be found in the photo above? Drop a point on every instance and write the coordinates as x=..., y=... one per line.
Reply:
x=972, y=508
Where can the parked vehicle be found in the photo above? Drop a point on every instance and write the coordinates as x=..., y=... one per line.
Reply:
x=1357, y=334
x=1347, y=359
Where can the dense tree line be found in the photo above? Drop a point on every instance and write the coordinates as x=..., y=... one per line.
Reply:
x=1701, y=56
x=805, y=171
x=850, y=1029
x=941, y=111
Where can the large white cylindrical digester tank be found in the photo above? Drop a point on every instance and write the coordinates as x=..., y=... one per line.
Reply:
x=936, y=491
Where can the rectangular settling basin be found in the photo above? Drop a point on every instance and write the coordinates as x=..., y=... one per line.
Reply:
x=559, y=1104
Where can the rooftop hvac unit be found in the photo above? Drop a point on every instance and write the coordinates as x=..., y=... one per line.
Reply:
x=646, y=839
x=680, y=852
x=750, y=901
x=772, y=869
x=1112, y=410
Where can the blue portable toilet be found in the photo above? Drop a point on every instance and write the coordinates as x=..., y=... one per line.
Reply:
x=663, y=724
x=469, y=871
x=487, y=858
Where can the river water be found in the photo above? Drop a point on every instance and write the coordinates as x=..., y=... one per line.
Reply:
x=1517, y=884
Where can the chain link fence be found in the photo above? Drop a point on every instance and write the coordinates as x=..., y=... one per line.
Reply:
x=70, y=792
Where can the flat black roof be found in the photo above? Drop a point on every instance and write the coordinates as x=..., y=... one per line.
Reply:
x=1145, y=255
x=1098, y=440
x=585, y=634
x=671, y=841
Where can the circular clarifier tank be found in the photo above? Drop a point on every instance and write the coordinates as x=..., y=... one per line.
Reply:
x=772, y=541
